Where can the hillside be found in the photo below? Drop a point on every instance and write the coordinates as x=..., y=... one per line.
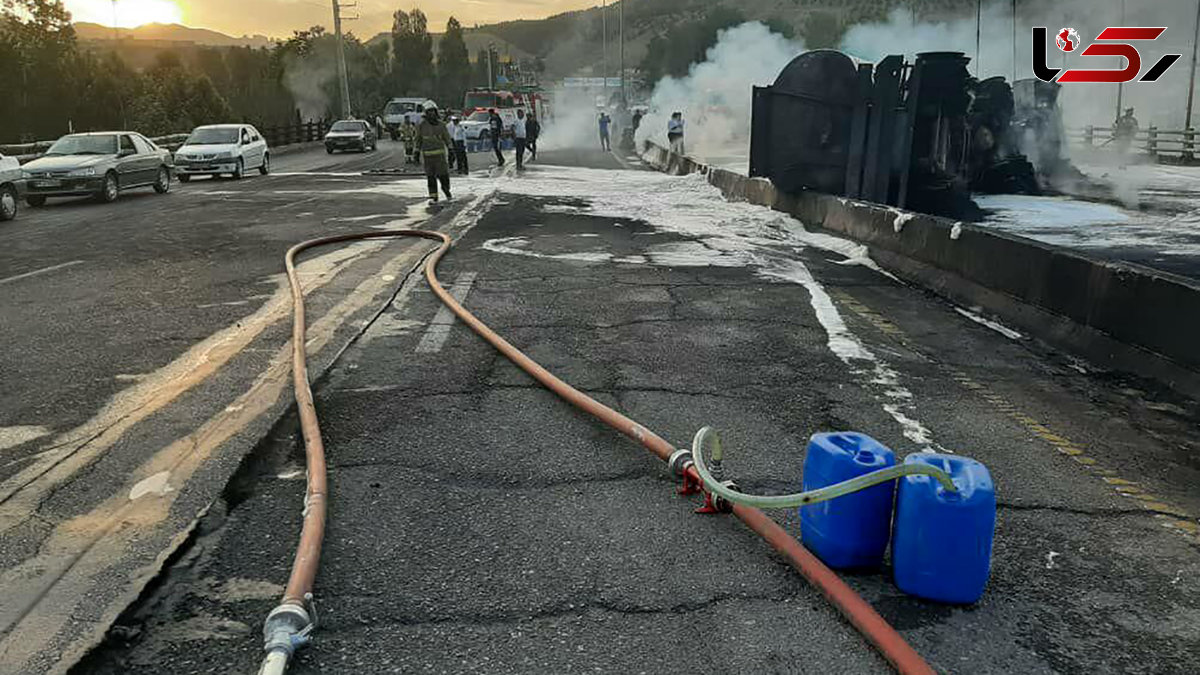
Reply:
x=570, y=43
x=169, y=33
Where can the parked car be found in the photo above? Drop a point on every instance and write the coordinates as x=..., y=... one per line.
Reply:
x=350, y=135
x=399, y=109
x=218, y=149
x=477, y=127
x=11, y=187
x=100, y=164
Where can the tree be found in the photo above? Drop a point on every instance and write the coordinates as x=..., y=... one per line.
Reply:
x=686, y=43
x=412, y=54
x=822, y=30
x=453, y=65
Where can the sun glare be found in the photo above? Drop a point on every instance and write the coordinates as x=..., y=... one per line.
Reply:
x=128, y=13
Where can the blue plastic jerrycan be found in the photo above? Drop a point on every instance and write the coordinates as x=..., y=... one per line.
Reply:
x=942, y=544
x=850, y=531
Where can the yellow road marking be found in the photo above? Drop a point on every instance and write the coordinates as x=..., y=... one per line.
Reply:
x=1125, y=488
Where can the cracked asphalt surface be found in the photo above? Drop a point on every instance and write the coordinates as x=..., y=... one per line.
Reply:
x=479, y=524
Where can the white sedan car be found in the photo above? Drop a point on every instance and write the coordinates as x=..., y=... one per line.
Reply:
x=218, y=149
x=10, y=187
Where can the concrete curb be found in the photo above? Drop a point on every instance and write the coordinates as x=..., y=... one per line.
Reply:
x=1118, y=315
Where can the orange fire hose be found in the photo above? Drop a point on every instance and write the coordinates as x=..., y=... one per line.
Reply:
x=304, y=569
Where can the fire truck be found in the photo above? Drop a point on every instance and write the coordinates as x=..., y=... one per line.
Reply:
x=505, y=102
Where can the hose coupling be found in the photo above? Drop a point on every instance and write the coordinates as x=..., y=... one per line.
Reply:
x=288, y=626
x=679, y=461
x=719, y=503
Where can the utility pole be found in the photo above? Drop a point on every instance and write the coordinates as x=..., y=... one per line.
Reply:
x=1121, y=85
x=341, y=57
x=116, y=33
x=1187, y=123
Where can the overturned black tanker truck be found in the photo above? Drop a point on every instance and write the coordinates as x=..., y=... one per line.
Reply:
x=921, y=136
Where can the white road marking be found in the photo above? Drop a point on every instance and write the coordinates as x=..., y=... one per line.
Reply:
x=11, y=437
x=435, y=336
x=41, y=271
x=154, y=485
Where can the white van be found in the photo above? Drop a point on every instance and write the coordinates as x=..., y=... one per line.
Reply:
x=399, y=109
x=218, y=149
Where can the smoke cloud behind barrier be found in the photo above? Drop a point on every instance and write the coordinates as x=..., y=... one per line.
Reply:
x=307, y=80
x=715, y=96
x=1160, y=103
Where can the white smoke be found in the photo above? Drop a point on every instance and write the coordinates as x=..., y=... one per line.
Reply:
x=576, y=120
x=1160, y=103
x=307, y=80
x=715, y=96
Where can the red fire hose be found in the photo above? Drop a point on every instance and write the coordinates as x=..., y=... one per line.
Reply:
x=289, y=624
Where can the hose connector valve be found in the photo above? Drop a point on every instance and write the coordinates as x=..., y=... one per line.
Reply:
x=679, y=461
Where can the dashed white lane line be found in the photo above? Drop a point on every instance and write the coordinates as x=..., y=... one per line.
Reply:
x=439, y=329
x=41, y=271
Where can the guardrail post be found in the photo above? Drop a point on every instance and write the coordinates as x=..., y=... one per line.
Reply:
x=1089, y=135
x=1152, y=141
x=1189, y=144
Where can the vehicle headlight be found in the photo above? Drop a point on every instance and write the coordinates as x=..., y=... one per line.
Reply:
x=76, y=173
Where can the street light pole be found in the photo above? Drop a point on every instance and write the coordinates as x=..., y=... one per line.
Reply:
x=1187, y=123
x=978, y=27
x=1120, y=85
x=604, y=42
x=1014, y=40
x=491, y=78
x=621, y=15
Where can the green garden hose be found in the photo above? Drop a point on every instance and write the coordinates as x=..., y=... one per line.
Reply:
x=709, y=436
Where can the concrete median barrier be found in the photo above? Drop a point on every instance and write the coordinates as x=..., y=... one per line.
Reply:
x=1120, y=316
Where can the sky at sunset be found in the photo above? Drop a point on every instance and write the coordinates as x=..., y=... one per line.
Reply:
x=278, y=18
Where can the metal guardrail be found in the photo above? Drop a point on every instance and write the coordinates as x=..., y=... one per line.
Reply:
x=1171, y=145
x=288, y=134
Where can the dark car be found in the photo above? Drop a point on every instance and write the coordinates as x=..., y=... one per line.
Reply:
x=350, y=135
x=98, y=164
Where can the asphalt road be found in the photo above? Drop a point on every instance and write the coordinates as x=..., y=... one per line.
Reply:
x=478, y=524
x=145, y=356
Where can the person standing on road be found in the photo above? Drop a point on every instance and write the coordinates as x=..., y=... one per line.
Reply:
x=458, y=134
x=605, y=121
x=520, y=137
x=675, y=132
x=1124, y=131
x=496, y=129
x=433, y=141
x=532, y=129
x=408, y=136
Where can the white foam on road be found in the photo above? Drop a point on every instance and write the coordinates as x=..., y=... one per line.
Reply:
x=721, y=234
x=158, y=484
